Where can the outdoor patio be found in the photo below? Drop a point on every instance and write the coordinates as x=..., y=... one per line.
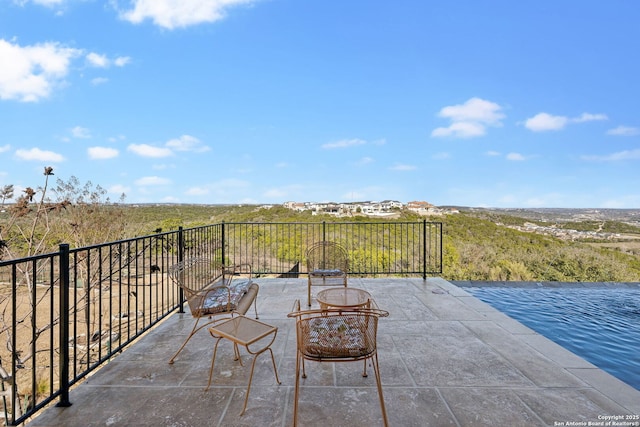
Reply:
x=446, y=359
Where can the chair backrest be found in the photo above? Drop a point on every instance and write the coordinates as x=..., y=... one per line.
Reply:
x=195, y=274
x=337, y=334
x=325, y=255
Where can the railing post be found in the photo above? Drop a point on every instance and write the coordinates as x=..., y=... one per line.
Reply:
x=441, y=249
x=180, y=244
x=424, y=249
x=180, y=259
x=64, y=326
x=324, y=231
x=222, y=236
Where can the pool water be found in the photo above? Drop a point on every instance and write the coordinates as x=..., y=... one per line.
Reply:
x=601, y=325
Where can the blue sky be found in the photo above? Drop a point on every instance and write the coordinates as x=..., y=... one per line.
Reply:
x=495, y=103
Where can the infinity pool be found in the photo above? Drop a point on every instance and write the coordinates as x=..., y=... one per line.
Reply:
x=601, y=325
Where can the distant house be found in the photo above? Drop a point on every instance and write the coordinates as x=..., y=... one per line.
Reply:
x=379, y=209
x=391, y=204
x=295, y=206
x=420, y=207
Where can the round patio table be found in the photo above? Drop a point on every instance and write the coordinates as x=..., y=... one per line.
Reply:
x=343, y=298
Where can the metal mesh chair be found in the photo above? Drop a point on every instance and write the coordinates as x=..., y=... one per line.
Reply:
x=327, y=265
x=214, y=292
x=337, y=335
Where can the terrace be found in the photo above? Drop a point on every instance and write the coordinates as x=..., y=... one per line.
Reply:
x=446, y=358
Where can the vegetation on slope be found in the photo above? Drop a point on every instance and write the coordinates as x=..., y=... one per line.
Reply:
x=479, y=249
x=477, y=245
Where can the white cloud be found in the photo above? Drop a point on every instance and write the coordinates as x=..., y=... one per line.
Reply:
x=118, y=189
x=441, y=156
x=542, y=122
x=97, y=153
x=80, y=132
x=228, y=189
x=460, y=130
x=624, y=131
x=614, y=157
x=29, y=73
x=545, y=200
x=39, y=155
x=474, y=110
x=47, y=3
x=470, y=119
x=121, y=61
x=197, y=191
x=492, y=153
x=588, y=117
x=343, y=143
x=515, y=157
x=146, y=150
x=622, y=202
x=97, y=60
x=151, y=181
x=187, y=143
x=4, y=148
x=171, y=14
x=163, y=166
x=231, y=184
x=117, y=138
x=508, y=200
x=99, y=81
x=285, y=192
x=365, y=161
x=402, y=167
x=102, y=61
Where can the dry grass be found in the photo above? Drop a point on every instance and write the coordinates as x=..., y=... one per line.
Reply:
x=94, y=330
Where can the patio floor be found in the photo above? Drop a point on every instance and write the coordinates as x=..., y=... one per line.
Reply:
x=446, y=359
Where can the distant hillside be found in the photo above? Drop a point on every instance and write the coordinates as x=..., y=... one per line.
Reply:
x=560, y=215
x=485, y=246
x=478, y=244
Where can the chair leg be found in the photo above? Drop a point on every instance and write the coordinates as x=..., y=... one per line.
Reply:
x=253, y=365
x=236, y=354
x=255, y=306
x=275, y=370
x=213, y=361
x=297, y=390
x=376, y=370
x=246, y=397
x=193, y=332
x=195, y=329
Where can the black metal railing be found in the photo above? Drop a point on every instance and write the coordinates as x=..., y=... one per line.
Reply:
x=64, y=314
x=384, y=248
